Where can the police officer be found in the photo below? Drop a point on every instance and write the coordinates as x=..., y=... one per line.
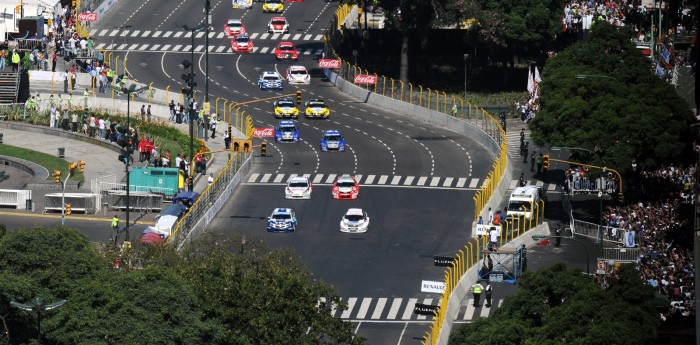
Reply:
x=477, y=288
x=487, y=291
x=532, y=161
x=115, y=222
x=557, y=232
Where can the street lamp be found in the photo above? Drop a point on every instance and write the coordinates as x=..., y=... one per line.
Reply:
x=130, y=90
x=39, y=308
x=466, y=58
x=189, y=90
x=588, y=257
x=584, y=76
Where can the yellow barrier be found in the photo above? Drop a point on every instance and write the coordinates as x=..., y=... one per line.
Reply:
x=167, y=91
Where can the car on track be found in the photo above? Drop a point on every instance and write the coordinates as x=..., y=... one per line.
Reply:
x=345, y=187
x=234, y=27
x=285, y=107
x=316, y=107
x=293, y=0
x=242, y=44
x=242, y=3
x=298, y=187
x=332, y=140
x=270, y=80
x=297, y=75
x=273, y=6
x=282, y=220
x=355, y=220
x=286, y=51
x=278, y=25
x=287, y=131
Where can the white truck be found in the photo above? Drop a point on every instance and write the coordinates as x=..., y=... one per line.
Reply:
x=523, y=199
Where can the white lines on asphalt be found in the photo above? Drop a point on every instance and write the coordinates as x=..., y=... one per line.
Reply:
x=178, y=34
x=143, y=46
x=177, y=47
x=157, y=34
x=354, y=158
x=220, y=35
x=199, y=34
x=281, y=155
x=146, y=34
x=167, y=34
x=188, y=34
x=220, y=49
x=138, y=9
x=135, y=33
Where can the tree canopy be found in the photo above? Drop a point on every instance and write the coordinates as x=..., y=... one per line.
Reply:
x=559, y=305
x=218, y=291
x=615, y=107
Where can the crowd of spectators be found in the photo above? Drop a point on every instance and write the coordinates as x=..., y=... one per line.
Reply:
x=577, y=181
x=665, y=263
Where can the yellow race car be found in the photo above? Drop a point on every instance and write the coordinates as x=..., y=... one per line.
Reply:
x=273, y=6
x=316, y=108
x=285, y=108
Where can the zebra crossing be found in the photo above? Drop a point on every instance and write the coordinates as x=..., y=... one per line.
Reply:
x=387, y=180
x=140, y=47
x=214, y=35
x=401, y=309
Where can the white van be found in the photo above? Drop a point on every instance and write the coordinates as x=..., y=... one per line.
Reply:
x=523, y=199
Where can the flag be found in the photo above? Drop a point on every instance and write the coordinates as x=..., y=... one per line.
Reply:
x=536, y=84
x=659, y=70
x=530, y=82
x=537, y=75
x=665, y=54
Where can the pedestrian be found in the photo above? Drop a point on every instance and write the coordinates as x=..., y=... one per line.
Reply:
x=143, y=113
x=148, y=113
x=454, y=109
x=527, y=144
x=172, y=111
x=65, y=81
x=481, y=220
x=487, y=292
x=557, y=232
x=85, y=98
x=212, y=124
x=74, y=122
x=476, y=289
x=3, y=57
x=53, y=62
x=227, y=140
x=490, y=216
x=521, y=181
x=532, y=161
x=493, y=239
x=52, y=116
x=115, y=223
x=73, y=78
x=210, y=179
x=540, y=161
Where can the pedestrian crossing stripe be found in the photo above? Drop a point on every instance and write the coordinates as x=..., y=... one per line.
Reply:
x=213, y=34
x=198, y=48
x=402, y=309
x=387, y=180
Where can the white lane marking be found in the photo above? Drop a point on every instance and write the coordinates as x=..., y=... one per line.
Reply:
x=421, y=181
x=460, y=182
x=266, y=178
x=394, y=310
x=381, y=302
x=253, y=177
x=351, y=304
x=448, y=182
x=409, y=309
x=331, y=178
x=278, y=178
x=409, y=180
x=364, y=308
x=382, y=179
x=395, y=180
x=370, y=179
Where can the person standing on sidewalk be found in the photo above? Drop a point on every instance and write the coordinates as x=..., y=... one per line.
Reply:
x=540, y=161
x=3, y=57
x=148, y=113
x=172, y=111
x=227, y=140
x=487, y=292
x=65, y=81
x=476, y=289
x=143, y=113
x=53, y=62
x=532, y=161
x=74, y=122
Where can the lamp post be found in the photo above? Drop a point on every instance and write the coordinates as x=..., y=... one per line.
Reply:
x=588, y=257
x=128, y=91
x=466, y=58
x=190, y=91
x=207, y=8
x=39, y=308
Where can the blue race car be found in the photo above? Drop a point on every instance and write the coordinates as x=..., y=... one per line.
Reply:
x=332, y=140
x=287, y=131
x=270, y=81
x=282, y=220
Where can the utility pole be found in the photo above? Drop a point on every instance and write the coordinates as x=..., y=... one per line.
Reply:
x=207, y=8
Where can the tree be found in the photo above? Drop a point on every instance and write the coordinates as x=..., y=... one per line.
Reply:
x=618, y=109
x=558, y=305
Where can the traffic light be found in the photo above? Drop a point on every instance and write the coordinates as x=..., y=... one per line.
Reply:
x=188, y=77
x=57, y=176
x=18, y=9
x=71, y=167
x=545, y=162
x=81, y=165
x=263, y=149
x=298, y=96
x=242, y=145
x=67, y=209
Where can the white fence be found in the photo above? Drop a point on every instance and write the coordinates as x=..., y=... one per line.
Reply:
x=15, y=198
x=79, y=202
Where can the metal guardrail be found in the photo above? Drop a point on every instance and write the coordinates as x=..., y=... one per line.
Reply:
x=623, y=255
x=16, y=198
x=80, y=202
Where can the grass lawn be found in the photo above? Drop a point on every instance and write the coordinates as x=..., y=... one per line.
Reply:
x=48, y=161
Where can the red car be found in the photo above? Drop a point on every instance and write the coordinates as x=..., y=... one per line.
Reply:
x=345, y=187
x=242, y=44
x=234, y=27
x=286, y=51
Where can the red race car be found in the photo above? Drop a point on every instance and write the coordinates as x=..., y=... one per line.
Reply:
x=345, y=187
x=242, y=44
x=286, y=51
x=234, y=27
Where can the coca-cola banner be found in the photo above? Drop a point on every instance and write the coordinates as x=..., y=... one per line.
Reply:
x=365, y=79
x=265, y=132
x=87, y=16
x=329, y=63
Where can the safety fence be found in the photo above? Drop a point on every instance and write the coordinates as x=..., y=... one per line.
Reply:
x=186, y=225
x=342, y=13
x=623, y=255
x=584, y=185
x=604, y=233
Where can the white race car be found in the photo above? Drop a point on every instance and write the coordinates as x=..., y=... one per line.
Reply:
x=278, y=25
x=298, y=75
x=355, y=220
x=298, y=187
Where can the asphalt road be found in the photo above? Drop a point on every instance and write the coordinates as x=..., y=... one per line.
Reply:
x=418, y=181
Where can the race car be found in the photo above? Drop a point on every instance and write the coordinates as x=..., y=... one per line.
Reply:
x=286, y=51
x=233, y=28
x=285, y=107
x=242, y=44
x=273, y=6
x=278, y=25
x=298, y=187
x=316, y=107
x=345, y=187
x=332, y=140
x=287, y=131
x=293, y=0
x=242, y=3
x=270, y=80
x=355, y=220
x=298, y=75
x=282, y=220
